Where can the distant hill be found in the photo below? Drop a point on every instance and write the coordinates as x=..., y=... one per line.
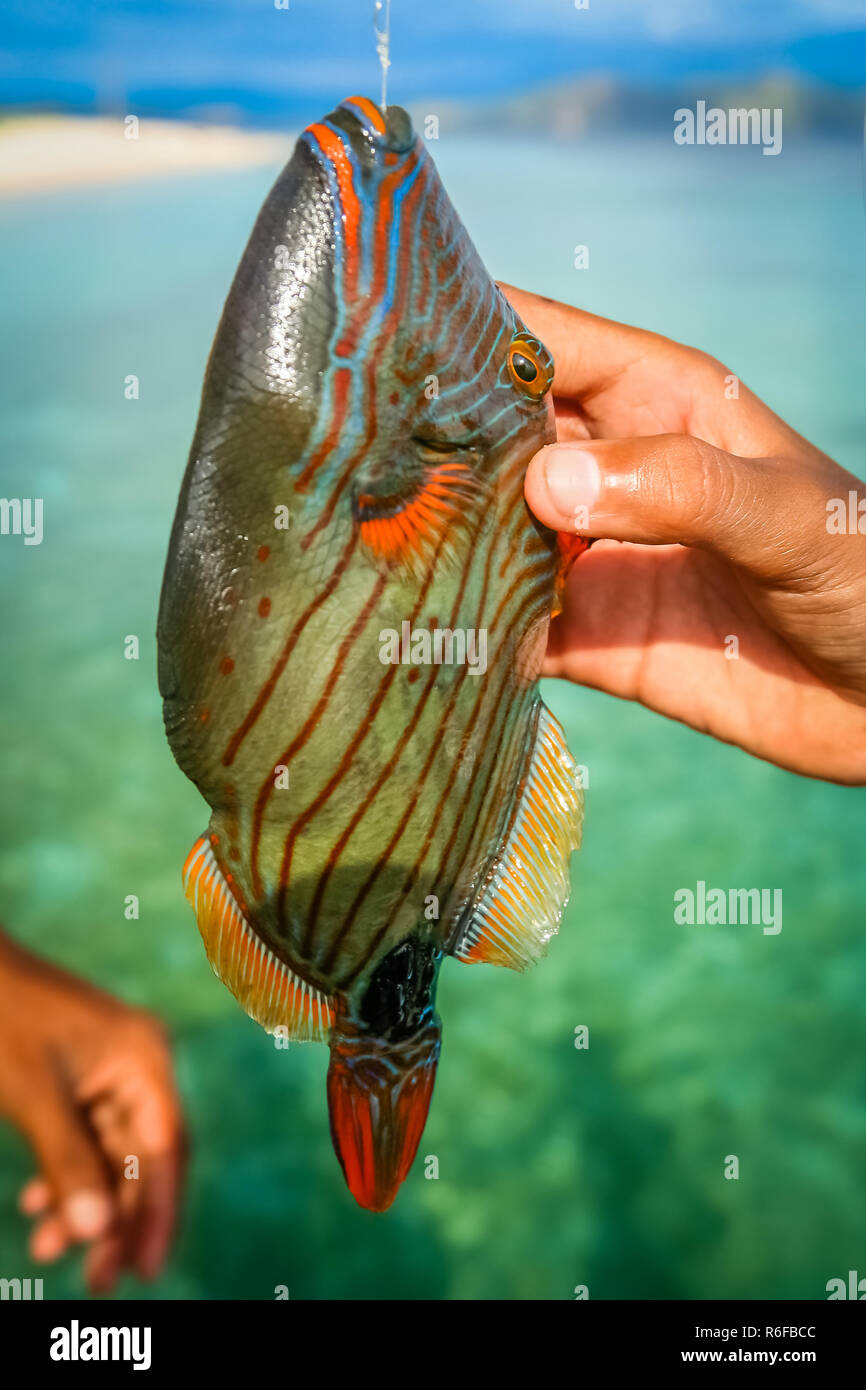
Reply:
x=571, y=109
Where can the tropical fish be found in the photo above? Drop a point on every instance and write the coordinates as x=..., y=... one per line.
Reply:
x=351, y=537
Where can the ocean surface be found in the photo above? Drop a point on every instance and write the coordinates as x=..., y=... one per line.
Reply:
x=558, y=1167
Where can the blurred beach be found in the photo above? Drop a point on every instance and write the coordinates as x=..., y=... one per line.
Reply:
x=43, y=153
x=557, y=1167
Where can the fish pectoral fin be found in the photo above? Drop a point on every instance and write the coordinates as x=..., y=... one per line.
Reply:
x=264, y=986
x=569, y=548
x=405, y=530
x=524, y=894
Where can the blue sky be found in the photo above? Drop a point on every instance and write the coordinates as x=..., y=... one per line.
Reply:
x=185, y=55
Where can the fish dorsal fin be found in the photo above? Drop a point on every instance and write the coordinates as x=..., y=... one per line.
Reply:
x=525, y=891
x=269, y=991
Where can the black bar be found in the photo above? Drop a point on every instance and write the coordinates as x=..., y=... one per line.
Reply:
x=247, y=1339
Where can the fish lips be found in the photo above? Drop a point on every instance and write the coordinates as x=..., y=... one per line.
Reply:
x=372, y=133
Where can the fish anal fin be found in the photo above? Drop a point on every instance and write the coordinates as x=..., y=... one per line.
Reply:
x=521, y=902
x=264, y=986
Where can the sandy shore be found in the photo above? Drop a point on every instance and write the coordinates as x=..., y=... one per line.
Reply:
x=41, y=153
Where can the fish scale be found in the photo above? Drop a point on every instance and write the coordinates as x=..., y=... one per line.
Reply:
x=371, y=813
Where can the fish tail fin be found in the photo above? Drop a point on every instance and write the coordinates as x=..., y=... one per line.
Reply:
x=378, y=1098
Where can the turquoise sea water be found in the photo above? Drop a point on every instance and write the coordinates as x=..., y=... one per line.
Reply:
x=557, y=1167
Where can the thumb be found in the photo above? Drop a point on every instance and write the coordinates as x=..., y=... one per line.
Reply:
x=668, y=488
x=73, y=1167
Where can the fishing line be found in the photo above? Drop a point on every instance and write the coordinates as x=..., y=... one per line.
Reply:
x=383, y=43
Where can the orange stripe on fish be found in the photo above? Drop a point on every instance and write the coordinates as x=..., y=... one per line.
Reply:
x=370, y=110
x=334, y=149
x=342, y=381
x=270, y=684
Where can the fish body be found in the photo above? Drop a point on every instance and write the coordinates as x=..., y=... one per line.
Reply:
x=353, y=618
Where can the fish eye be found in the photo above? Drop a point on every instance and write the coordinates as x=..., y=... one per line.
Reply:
x=526, y=370
x=529, y=366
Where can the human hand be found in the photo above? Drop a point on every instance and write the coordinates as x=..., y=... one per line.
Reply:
x=713, y=521
x=89, y=1082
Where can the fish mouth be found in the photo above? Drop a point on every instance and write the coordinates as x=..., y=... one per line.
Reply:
x=375, y=137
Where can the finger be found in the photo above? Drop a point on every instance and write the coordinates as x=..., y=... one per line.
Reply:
x=158, y=1119
x=143, y=1117
x=113, y=1252
x=628, y=380
x=571, y=422
x=110, y=1117
x=73, y=1167
x=104, y=1262
x=49, y=1239
x=590, y=353
x=35, y=1197
x=159, y=1204
x=763, y=514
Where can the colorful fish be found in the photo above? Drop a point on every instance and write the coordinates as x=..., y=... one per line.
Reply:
x=353, y=618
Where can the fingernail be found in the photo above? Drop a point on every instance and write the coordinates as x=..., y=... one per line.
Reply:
x=34, y=1198
x=573, y=482
x=87, y=1214
x=46, y=1244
